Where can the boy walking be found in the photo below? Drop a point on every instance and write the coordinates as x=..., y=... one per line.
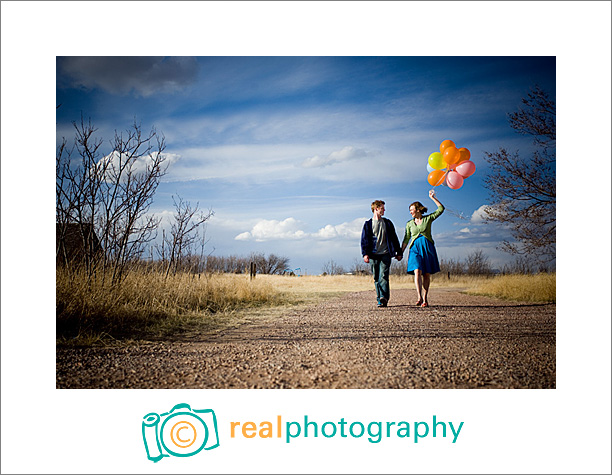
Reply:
x=379, y=244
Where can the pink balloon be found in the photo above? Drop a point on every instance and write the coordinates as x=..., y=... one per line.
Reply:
x=466, y=168
x=454, y=180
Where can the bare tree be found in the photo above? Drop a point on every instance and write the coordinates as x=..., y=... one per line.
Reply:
x=110, y=194
x=520, y=265
x=396, y=268
x=523, y=188
x=360, y=267
x=477, y=263
x=184, y=233
x=277, y=264
x=332, y=268
x=524, y=265
x=452, y=266
x=272, y=264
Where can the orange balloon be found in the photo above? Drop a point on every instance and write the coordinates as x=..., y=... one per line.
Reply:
x=436, y=177
x=451, y=155
x=464, y=154
x=444, y=145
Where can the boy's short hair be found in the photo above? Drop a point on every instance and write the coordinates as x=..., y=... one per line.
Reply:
x=377, y=204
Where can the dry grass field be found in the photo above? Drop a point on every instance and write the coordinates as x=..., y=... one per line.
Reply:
x=148, y=306
x=528, y=288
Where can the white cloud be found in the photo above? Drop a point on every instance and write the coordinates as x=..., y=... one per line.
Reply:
x=270, y=229
x=246, y=236
x=478, y=216
x=328, y=232
x=345, y=154
x=290, y=229
x=351, y=230
x=166, y=217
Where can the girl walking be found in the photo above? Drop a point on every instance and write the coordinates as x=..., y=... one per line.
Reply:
x=422, y=258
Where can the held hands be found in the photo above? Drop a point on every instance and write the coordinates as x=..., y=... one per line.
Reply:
x=366, y=259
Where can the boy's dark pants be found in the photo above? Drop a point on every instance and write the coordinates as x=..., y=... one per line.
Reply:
x=380, y=264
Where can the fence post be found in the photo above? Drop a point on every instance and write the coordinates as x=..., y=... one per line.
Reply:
x=252, y=270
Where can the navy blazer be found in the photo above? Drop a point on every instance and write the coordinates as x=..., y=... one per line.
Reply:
x=368, y=243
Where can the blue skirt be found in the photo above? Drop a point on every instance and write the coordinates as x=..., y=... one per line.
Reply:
x=423, y=256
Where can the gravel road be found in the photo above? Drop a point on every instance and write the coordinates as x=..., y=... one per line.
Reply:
x=460, y=341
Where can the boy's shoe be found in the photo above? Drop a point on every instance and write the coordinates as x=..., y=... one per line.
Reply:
x=383, y=303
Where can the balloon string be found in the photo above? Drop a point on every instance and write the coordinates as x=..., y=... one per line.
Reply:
x=444, y=176
x=456, y=213
x=453, y=211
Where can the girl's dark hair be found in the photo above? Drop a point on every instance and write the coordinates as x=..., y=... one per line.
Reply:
x=418, y=206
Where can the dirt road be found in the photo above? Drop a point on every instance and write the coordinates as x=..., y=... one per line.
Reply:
x=460, y=341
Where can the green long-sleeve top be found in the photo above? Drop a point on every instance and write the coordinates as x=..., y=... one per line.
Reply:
x=414, y=230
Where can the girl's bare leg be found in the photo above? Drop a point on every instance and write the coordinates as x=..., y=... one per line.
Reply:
x=426, y=282
x=418, y=283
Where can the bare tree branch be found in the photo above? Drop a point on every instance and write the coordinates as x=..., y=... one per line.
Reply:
x=523, y=188
x=184, y=232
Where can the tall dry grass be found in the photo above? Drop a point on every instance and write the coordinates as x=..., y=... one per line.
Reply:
x=146, y=304
x=537, y=288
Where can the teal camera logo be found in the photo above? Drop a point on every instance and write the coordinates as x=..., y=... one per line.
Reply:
x=180, y=432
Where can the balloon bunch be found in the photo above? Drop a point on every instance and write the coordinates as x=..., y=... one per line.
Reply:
x=449, y=166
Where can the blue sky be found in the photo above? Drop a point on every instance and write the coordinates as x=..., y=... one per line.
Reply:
x=289, y=152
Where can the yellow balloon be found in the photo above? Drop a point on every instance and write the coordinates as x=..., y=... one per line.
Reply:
x=436, y=161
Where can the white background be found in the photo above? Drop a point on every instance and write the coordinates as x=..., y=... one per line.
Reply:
x=565, y=430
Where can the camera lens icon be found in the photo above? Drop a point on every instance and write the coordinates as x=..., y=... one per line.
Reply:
x=181, y=432
x=184, y=434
